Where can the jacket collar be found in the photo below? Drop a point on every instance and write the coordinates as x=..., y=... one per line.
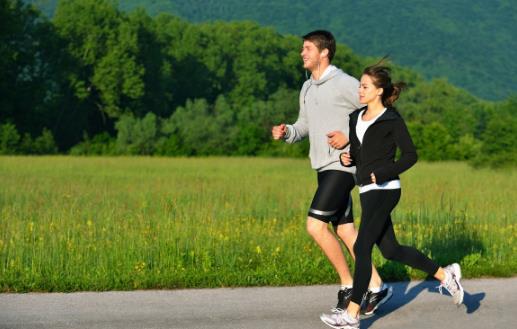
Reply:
x=390, y=114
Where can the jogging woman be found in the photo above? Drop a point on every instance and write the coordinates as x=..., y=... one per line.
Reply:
x=376, y=131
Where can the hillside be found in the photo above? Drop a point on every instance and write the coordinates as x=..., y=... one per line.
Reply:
x=468, y=42
x=100, y=80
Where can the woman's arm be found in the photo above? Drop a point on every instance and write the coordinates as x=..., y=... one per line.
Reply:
x=408, y=155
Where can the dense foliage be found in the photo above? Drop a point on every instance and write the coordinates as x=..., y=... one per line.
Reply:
x=469, y=41
x=96, y=80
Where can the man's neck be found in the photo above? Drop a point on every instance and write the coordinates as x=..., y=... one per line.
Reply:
x=318, y=71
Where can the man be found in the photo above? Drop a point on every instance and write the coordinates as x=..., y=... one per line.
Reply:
x=326, y=100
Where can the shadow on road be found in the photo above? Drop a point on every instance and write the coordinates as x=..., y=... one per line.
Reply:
x=403, y=296
x=456, y=243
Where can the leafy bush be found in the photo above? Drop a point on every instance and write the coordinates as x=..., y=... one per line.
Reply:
x=137, y=136
x=101, y=144
x=9, y=139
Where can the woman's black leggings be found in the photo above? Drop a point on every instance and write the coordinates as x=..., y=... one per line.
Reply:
x=377, y=228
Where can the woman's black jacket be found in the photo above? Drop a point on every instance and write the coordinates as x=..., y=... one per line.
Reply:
x=377, y=152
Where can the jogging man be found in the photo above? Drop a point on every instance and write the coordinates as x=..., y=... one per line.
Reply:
x=326, y=100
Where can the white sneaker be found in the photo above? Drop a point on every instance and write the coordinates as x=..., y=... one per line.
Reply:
x=452, y=283
x=340, y=320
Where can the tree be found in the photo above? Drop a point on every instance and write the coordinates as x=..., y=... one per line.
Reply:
x=499, y=139
x=104, y=46
x=31, y=81
x=432, y=141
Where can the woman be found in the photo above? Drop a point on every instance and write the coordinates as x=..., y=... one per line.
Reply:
x=375, y=133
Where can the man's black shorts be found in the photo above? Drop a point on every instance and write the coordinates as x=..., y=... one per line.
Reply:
x=332, y=201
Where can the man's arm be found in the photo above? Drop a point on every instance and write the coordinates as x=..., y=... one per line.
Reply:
x=300, y=129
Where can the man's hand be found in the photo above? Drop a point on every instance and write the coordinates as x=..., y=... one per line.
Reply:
x=345, y=158
x=279, y=131
x=337, y=139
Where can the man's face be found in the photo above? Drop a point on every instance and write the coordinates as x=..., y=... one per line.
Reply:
x=310, y=55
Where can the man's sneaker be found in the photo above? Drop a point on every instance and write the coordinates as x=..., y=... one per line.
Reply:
x=343, y=299
x=376, y=299
x=340, y=320
x=452, y=283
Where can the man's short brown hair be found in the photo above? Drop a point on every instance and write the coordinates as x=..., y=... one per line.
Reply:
x=323, y=40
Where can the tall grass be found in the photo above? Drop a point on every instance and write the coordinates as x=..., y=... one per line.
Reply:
x=70, y=223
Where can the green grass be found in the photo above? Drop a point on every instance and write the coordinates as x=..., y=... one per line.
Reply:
x=71, y=223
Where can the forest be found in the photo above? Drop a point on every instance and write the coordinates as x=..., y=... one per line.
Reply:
x=97, y=80
x=468, y=41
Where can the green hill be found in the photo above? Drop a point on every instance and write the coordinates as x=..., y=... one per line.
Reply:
x=469, y=42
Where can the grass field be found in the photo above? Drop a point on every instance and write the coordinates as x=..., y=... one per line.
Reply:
x=71, y=223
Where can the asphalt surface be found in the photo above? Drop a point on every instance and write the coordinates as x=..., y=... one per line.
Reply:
x=489, y=303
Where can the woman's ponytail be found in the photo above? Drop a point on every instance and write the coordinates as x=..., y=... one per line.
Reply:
x=381, y=76
x=392, y=94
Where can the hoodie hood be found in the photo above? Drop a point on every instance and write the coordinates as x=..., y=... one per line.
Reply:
x=333, y=73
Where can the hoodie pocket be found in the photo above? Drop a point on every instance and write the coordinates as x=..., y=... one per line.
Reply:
x=321, y=153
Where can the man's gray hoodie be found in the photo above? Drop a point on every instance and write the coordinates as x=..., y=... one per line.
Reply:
x=325, y=106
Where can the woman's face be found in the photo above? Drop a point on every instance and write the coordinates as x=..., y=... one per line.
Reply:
x=367, y=90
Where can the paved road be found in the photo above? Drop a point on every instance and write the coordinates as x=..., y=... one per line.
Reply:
x=489, y=303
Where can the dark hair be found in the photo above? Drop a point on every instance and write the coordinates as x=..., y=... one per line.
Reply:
x=381, y=76
x=323, y=40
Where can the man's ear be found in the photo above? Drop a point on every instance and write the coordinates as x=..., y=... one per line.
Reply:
x=324, y=52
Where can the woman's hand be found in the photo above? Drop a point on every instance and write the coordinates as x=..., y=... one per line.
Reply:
x=345, y=158
x=372, y=176
x=337, y=139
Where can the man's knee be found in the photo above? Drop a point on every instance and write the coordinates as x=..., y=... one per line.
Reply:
x=316, y=227
x=347, y=233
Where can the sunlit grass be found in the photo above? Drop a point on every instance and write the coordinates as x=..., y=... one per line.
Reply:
x=71, y=223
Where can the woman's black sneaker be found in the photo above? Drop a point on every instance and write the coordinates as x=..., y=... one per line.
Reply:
x=376, y=299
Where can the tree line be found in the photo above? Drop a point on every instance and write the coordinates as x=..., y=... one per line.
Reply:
x=94, y=80
x=463, y=40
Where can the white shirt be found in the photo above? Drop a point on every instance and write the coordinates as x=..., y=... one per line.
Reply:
x=360, y=130
x=362, y=125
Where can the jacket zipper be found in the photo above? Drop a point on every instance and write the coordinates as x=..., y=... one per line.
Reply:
x=364, y=139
